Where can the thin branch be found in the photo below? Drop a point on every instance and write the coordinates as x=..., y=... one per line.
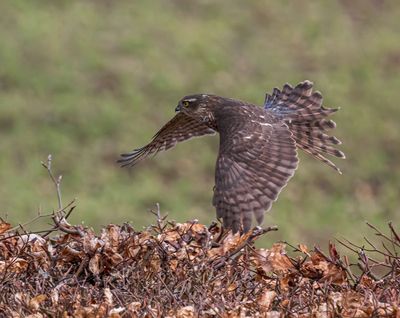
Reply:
x=397, y=236
x=379, y=233
x=56, y=181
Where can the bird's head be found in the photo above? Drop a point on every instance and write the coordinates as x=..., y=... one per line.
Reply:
x=196, y=106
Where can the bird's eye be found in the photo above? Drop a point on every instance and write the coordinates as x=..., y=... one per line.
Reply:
x=185, y=103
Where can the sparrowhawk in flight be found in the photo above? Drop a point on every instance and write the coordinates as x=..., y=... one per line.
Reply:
x=258, y=145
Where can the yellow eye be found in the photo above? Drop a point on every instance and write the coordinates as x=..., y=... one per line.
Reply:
x=185, y=103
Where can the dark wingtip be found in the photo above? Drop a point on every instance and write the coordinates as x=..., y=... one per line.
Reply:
x=125, y=155
x=131, y=158
x=122, y=162
x=127, y=159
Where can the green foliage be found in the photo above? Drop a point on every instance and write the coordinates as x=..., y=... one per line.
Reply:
x=87, y=80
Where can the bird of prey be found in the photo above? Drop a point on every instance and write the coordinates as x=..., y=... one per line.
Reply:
x=258, y=145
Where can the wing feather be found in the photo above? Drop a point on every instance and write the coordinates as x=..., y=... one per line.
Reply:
x=250, y=173
x=178, y=129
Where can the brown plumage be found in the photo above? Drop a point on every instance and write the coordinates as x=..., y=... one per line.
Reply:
x=258, y=146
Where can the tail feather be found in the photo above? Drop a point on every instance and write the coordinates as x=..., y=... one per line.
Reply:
x=302, y=110
x=319, y=147
x=313, y=137
x=316, y=134
x=322, y=124
x=320, y=157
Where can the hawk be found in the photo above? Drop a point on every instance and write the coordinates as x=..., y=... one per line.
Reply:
x=258, y=145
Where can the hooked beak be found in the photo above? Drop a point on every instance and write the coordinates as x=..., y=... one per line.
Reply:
x=178, y=108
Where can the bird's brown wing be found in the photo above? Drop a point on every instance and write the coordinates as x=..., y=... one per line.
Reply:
x=253, y=166
x=179, y=128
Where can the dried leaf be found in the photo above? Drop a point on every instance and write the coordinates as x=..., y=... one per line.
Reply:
x=265, y=299
x=134, y=307
x=35, y=302
x=108, y=296
x=54, y=296
x=334, y=274
x=303, y=248
x=2, y=266
x=115, y=312
x=333, y=252
x=231, y=287
x=94, y=264
x=17, y=265
x=186, y=312
x=4, y=226
x=36, y=315
x=367, y=282
x=274, y=259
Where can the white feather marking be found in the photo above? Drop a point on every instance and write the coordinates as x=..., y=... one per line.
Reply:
x=262, y=124
x=265, y=124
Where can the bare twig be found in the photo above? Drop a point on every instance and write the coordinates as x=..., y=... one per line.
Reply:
x=395, y=234
x=39, y=216
x=56, y=181
x=161, y=224
x=379, y=233
x=60, y=216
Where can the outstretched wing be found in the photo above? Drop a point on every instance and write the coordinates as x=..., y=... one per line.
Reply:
x=179, y=128
x=302, y=110
x=254, y=164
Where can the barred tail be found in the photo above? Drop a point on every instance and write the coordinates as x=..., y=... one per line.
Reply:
x=315, y=142
x=303, y=112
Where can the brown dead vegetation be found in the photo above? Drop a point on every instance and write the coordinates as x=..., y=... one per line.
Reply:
x=188, y=270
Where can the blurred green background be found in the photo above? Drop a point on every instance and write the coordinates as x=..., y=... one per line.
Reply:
x=87, y=80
